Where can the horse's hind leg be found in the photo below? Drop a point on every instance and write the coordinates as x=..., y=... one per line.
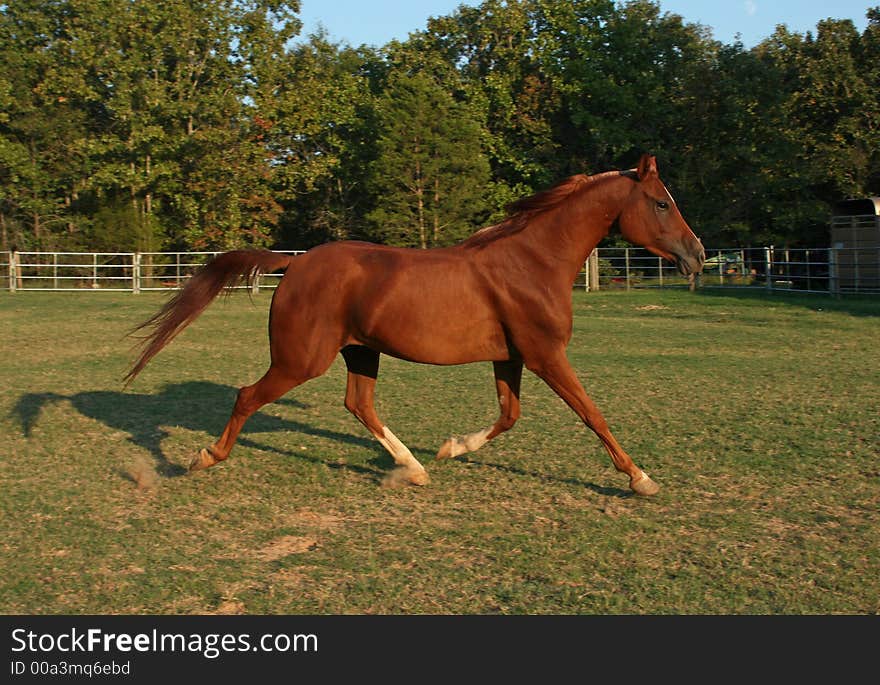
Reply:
x=269, y=388
x=507, y=383
x=363, y=369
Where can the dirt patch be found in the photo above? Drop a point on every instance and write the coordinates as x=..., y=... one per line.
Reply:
x=231, y=608
x=289, y=576
x=287, y=545
x=308, y=519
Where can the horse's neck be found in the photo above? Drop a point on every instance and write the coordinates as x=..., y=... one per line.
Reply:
x=565, y=236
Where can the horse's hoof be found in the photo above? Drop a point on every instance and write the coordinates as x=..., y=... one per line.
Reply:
x=202, y=460
x=418, y=477
x=405, y=476
x=643, y=485
x=445, y=451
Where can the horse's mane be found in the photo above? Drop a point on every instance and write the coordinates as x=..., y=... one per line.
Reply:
x=521, y=212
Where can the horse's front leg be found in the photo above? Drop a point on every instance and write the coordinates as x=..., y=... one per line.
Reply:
x=554, y=368
x=507, y=383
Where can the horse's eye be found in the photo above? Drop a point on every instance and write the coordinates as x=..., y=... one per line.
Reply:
x=662, y=205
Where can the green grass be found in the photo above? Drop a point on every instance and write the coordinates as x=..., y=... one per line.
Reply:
x=757, y=416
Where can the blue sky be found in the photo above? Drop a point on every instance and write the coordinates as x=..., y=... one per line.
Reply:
x=378, y=21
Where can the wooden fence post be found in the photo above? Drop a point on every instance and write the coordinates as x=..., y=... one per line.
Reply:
x=19, y=278
x=833, y=272
x=136, y=273
x=593, y=261
x=809, y=282
x=12, y=270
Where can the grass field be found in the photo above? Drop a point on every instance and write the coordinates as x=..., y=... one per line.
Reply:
x=757, y=416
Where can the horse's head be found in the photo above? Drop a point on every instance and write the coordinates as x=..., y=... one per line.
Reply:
x=651, y=219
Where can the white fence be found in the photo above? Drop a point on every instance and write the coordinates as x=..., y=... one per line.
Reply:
x=108, y=271
x=818, y=270
x=824, y=270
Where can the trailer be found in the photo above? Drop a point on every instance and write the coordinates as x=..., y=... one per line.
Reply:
x=855, y=246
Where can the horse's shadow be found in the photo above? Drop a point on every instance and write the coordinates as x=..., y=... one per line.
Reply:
x=516, y=470
x=202, y=406
x=196, y=406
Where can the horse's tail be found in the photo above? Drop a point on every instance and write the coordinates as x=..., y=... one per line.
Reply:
x=221, y=273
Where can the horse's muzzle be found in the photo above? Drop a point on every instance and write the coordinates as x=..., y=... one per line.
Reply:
x=691, y=262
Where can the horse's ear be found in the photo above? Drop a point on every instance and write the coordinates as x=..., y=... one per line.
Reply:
x=647, y=166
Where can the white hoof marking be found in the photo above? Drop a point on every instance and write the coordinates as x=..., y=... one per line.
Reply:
x=399, y=451
x=469, y=443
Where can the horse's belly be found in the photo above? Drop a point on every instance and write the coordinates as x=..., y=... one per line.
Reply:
x=436, y=341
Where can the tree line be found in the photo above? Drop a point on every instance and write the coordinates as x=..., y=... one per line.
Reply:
x=213, y=124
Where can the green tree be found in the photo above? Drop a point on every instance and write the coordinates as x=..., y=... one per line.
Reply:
x=568, y=87
x=429, y=177
x=507, y=88
x=137, y=125
x=42, y=130
x=826, y=135
x=869, y=67
x=173, y=80
x=724, y=168
x=832, y=108
x=319, y=130
x=141, y=114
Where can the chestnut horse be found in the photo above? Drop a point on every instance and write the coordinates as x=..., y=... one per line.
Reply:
x=502, y=295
